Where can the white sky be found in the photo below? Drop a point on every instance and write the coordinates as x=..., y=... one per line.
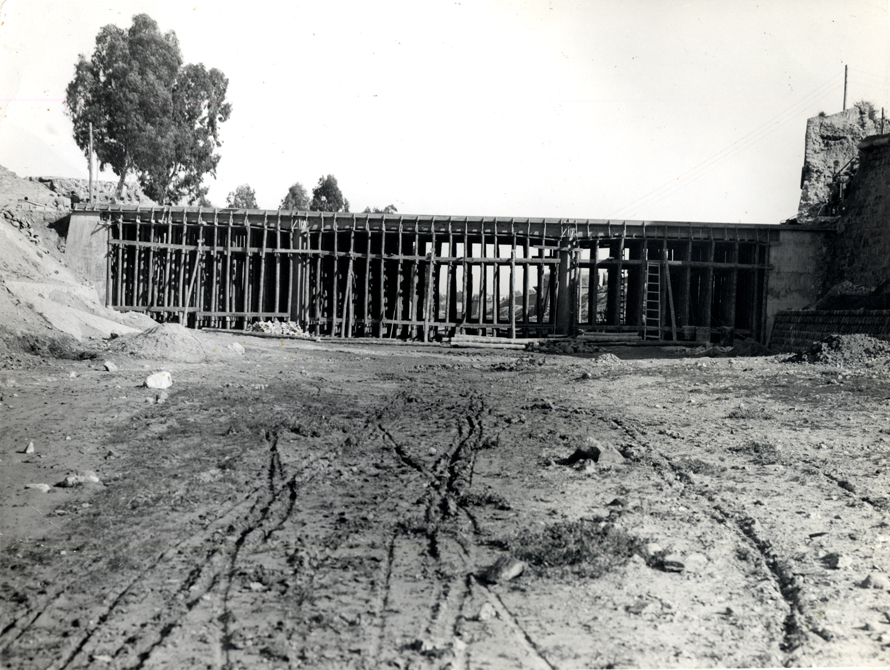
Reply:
x=488, y=107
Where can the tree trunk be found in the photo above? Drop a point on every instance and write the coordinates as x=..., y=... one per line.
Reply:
x=120, y=185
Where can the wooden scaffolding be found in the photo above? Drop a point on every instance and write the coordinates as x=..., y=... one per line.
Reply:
x=391, y=275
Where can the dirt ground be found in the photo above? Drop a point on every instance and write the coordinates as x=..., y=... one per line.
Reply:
x=328, y=505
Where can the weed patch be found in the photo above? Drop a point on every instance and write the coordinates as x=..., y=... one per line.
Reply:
x=587, y=547
x=762, y=453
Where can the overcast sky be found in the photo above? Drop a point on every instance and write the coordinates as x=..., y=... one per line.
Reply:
x=690, y=110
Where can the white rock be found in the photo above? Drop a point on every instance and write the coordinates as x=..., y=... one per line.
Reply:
x=237, y=348
x=72, y=374
x=159, y=380
x=486, y=612
x=43, y=488
x=110, y=366
x=30, y=448
x=162, y=397
x=87, y=477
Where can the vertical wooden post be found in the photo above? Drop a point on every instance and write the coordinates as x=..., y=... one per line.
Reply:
x=366, y=312
x=149, y=298
x=183, y=263
x=214, y=273
x=397, y=311
x=733, y=284
x=540, y=297
x=619, y=279
x=526, y=267
x=412, y=303
x=348, y=293
x=247, y=282
x=564, y=301
x=137, y=285
x=709, y=285
x=483, y=280
x=670, y=296
x=686, y=299
x=261, y=305
x=512, y=305
x=450, y=281
x=335, y=277
x=228, y=261
x=120, y=262
x=465, y=279
x=593, y=282
x=108, y=262
x=428, y=292
x=277, y=307
x=318, y=267
x=381, y=311
x=496, y=279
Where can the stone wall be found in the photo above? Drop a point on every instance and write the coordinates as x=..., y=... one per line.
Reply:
x=795, y=330
x=862, y=247
x=831, y=143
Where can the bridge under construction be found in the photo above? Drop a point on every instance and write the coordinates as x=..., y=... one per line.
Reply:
x=425, y=277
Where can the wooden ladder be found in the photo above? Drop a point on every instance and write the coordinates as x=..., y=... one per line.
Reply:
x=652, y=317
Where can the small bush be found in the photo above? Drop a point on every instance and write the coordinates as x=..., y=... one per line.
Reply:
x=588, y=547
x=474, y=499
x=763, y=453
x=750, y=413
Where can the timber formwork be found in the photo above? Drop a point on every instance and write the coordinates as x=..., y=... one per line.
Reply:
x=391, y=275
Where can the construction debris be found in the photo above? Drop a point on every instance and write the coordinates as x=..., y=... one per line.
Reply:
x=288, y=328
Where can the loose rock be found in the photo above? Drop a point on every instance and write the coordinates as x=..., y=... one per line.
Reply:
x=159, y=380
x=876, y=580
x=837, y=561
x=30, y=448
x=486, y=612
x=503, y=570
x=236, y=348
x=673, y=562
x=161, y=398
x=43, y=488
x=110, y=366
x=595, y=451
x=71, y=481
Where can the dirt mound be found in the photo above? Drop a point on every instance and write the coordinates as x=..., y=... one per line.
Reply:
x=607, y=360
x=164, y=342
x=846, y=351
x=46, y=308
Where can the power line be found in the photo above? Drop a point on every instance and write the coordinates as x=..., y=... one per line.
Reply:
x=820, y=92
x=680, y=186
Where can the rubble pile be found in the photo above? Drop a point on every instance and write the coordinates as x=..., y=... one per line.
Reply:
x=280, y=328
x=846, y=351
x=164, y=342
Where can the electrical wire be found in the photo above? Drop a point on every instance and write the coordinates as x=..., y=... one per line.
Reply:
x=822, y=91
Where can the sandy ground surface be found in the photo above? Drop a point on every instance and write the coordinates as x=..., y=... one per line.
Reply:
x=323, y=505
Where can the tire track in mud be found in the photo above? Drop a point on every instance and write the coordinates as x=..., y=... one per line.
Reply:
x=779, y=570
x=59, y=592
x=450, y=531
x=216, y=568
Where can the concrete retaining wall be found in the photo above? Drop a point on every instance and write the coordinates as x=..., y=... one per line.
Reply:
x=86, y=248
x=795, y=331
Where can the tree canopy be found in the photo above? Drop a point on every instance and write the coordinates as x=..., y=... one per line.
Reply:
x=326, y=196
x=389, y=209
x=296, y=198
x=243, y=197
x=151, y=115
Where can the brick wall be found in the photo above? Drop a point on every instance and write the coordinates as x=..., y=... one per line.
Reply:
x=796, y=330
x=862, y=247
